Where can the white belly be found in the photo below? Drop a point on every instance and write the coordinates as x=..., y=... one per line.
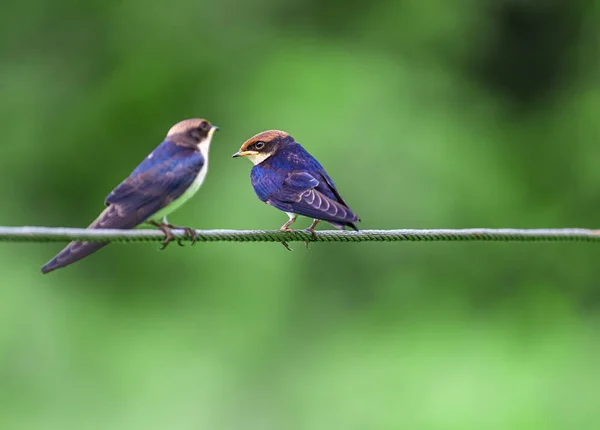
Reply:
x=188, y=194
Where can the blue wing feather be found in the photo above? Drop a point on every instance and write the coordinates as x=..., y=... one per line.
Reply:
x=160, y=179
x=294, y=181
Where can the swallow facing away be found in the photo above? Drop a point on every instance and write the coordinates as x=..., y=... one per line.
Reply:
x=287, y=177
x=166, y=179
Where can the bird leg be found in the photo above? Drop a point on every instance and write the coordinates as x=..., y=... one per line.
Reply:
x=311, y=230
x=190, y=233
x=286, y=227
x=170, y=237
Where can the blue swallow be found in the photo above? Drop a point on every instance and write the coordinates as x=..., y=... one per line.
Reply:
x=288, y=178
x=165, y=180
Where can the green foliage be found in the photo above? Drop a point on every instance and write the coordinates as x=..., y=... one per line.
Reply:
x=426, y=114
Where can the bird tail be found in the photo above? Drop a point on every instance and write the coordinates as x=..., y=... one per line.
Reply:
x=342, y=226
x=75, y=251
x=349, y=220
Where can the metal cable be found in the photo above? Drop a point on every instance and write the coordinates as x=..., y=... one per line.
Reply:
x=48, y=234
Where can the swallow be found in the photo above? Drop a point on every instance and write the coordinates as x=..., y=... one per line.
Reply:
x=288, y=178
x=165, y=180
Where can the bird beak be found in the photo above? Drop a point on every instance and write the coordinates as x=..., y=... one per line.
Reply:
x=244, y=154
x=212, y=131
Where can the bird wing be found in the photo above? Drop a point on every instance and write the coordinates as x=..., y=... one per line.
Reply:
x=299, y=193
x=159, y=180
x=327, y=187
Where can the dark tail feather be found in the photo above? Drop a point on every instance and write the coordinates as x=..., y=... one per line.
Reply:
x=75, y=251
x=352, y=226
x=350, y=221
x=341, y=226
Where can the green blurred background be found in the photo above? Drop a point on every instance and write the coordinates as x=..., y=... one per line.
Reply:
x=427, y=114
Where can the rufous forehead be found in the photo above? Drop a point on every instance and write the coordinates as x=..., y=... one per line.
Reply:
x=265, y=136
x=185, y=125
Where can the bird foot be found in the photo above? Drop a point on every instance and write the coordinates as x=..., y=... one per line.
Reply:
x=170, y=237
x=190, y=233
x=288, y=230
x=312, y=233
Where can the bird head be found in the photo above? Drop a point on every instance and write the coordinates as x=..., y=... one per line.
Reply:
x=260, y=147
x=193, y=132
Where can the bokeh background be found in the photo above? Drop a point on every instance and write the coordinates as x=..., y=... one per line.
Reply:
x=427, y=113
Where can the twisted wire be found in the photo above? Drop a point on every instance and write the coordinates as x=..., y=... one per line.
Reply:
x=48, y=234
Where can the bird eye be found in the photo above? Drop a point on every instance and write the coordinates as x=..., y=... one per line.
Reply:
x=204, y=125
x=259, y=145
